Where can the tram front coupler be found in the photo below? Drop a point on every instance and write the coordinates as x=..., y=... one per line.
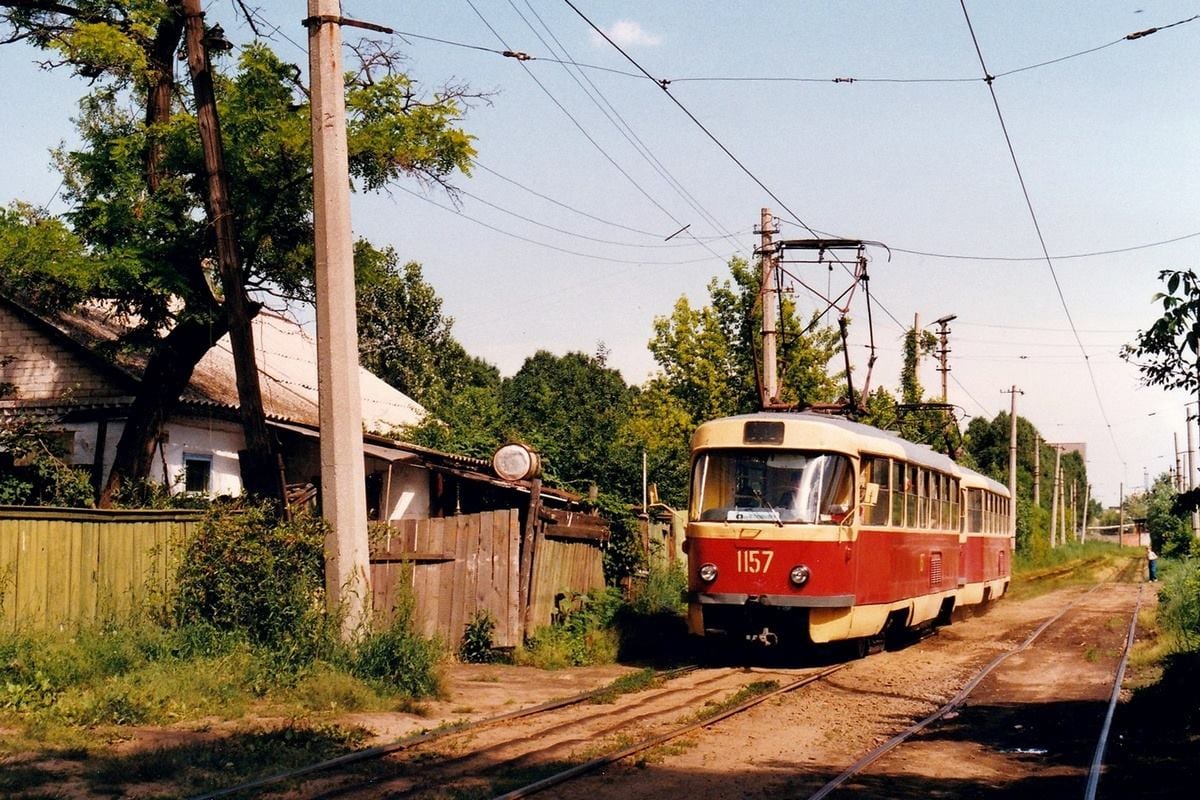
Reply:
x=765, y=637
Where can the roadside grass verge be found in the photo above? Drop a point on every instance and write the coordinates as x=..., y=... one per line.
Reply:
x=1072, y=565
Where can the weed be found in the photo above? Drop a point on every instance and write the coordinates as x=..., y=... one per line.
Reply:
x=734, y=700
x=476, y=645
x=627, y=684
x=582, y=635
x=1179, y=604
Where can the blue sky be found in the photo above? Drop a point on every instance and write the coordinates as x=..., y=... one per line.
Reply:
x=1107, y=143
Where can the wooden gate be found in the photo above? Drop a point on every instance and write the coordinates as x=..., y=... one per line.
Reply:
x=458, y=566
x=454, y=566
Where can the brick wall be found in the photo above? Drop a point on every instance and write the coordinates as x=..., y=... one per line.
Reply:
x=44, y=369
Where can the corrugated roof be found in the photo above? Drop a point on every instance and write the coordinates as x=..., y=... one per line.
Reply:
x=286, y=356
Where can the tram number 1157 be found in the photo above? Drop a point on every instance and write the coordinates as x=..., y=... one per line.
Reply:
x=754, y=561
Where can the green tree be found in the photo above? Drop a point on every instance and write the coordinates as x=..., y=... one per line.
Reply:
x=136, y=185
x=1169, y=526
x=570, y=409
x=708, y=356
x=404, y=338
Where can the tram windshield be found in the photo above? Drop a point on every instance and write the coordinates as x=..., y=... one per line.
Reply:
x=807, y=487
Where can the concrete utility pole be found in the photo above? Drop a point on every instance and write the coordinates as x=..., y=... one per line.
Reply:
x=1178, y=474
x=1054, y=497
x=1121, y=508
x=1191, y=464
x=943, y=351
x=1012, y=458
x=343, y=480
x=770, y=372
x=1037, y=470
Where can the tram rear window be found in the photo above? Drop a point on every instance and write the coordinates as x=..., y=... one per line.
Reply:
x=759, y=432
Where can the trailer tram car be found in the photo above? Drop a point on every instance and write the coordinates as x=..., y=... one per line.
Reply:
x=811, y=528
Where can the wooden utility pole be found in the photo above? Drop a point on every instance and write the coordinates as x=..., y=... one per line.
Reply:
x=260, y=467
x=1121, y=508
x=769, y=387
x=1087, y=499
x=1012, y=458
x=343, y=480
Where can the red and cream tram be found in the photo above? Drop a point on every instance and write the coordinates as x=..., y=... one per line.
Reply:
x=815, y=528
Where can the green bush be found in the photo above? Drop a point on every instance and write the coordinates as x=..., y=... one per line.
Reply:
x=245, y=573
x=397, y=658
x=583, y=635
x=1179, y=604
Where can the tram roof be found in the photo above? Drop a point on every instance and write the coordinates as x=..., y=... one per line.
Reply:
x=867, y=438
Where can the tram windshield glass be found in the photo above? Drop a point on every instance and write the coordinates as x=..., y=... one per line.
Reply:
x=807, y=487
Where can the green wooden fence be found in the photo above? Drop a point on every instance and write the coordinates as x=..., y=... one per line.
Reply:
x=61, y=567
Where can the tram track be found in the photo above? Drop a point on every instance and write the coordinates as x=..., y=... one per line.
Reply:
x=1095, y=767
x=554, y=746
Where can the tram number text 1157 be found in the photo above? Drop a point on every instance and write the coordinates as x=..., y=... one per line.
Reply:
x=755, y=561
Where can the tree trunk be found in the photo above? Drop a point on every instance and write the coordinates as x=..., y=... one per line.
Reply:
x=166, y=376
x=261, y=473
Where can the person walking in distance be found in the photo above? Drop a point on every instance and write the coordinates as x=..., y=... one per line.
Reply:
x=1152, y=563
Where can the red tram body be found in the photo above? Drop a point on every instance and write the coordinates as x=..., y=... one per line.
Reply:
x=814, y=527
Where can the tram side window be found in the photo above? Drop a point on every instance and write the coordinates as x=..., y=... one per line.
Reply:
x=898, y=488
x=911, y=495
x=955, y=511
x=975, y=510
x=922, y=498
x=877, y=471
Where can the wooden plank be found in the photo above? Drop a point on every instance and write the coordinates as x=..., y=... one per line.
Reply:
x=441, y=537
x=464, y=592
x=34, y=569
x=9, y=549
x=89, y=569
x=485, y=560
x=515, y=624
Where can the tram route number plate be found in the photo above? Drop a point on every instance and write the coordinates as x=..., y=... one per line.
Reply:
x=754, y=561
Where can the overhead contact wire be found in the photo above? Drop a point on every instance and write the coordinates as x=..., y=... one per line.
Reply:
x=580, y=127
x=989, y=80
x=662, y=84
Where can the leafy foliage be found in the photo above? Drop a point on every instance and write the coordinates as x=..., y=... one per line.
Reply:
x=708, y=355
x=405, y=339
x=1180, y=604
x=243, y=573
x=476, y=644
x=1168, y=352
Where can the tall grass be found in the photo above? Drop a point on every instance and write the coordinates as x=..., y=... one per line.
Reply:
x=1179, y=604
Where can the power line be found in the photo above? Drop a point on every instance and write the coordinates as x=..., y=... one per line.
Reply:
x=663, y=85
x=1091, y=254
x=622, y=126
x=990, y=81
x=565, y=232
x=798, y=79
x=655, y=234
x=549, y=246
x=580, y=127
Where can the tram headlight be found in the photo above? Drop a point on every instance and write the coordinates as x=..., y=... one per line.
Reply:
x=799, y=575
x=707, y=572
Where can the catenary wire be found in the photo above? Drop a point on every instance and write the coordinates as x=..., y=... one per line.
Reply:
x=663, y=85
x=655, y=234
x=549, y=246
x=656, y=245
x=1038, y=229
x=580, y=127
x=620, y=123
x=1091, y=254
x=795, y=79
